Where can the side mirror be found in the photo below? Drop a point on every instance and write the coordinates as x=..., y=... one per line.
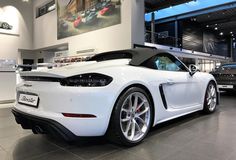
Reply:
x=193, y=69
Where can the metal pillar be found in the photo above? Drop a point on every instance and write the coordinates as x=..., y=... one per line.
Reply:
x=153, y=28
x=231, y=49
x=176, y=33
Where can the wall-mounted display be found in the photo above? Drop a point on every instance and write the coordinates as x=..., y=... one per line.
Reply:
x=81, y=16
x=9, y=20
x=5, y=25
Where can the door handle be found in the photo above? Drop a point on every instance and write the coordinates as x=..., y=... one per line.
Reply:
x=170, y=82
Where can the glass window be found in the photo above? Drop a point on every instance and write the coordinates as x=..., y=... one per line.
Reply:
x=168, y=63
x=46, y=8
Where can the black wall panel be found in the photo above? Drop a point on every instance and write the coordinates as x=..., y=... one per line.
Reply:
x=192, y=37
x=198, y=39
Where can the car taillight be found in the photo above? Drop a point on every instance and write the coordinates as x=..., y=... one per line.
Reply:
x=87, y=80
x=73, y=115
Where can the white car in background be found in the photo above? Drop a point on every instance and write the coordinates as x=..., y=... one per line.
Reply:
x=121, y=94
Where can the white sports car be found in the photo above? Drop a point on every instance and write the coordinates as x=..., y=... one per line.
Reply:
x=120, y=94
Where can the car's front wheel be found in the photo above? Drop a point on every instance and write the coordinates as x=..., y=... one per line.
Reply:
x=210, y=98
x=132, y=117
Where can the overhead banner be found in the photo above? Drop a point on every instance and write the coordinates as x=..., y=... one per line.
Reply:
x=80, y=16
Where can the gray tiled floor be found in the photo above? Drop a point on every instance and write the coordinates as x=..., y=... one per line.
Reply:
x=195, y=137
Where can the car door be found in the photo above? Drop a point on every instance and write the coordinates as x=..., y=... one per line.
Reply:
x=179, y=90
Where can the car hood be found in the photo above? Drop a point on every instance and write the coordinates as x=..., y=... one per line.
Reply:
x=77, y=68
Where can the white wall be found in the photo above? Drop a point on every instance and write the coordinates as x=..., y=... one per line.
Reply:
x=7, y=86
x=22, y=13
x=106, y=39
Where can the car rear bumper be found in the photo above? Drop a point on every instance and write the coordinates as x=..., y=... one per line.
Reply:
x=60, y=100
x=43, y=125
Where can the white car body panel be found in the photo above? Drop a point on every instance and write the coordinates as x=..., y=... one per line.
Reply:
x=184, y=94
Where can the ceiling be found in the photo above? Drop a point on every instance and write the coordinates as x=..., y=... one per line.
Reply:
x=223, y=20
x=153, y=5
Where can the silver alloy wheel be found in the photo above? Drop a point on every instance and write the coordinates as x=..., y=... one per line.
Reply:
x=135, y=116
x=211, y=97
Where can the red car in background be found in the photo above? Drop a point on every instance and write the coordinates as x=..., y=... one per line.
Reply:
x=77, y=22
x=107, y=10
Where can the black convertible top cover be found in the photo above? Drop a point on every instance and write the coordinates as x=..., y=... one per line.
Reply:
x=137, y=56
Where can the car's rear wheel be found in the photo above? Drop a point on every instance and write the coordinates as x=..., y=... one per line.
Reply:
x=210, y=98
x=132, y=117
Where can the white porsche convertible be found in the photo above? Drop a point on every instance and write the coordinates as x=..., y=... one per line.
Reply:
x=120, y=94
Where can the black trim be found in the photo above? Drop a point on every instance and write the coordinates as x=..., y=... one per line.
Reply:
x=218, y=97
x=7, y=71
x=138, y=55
x=48, y=126
x=41, y=79
x=163, y=96
x=143, y=46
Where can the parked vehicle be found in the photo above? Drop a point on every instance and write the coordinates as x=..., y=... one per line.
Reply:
x=77, y=22
x=121, y=94
x=225, y=76
x=90, y=17
x=107, y=10
x=63, y=25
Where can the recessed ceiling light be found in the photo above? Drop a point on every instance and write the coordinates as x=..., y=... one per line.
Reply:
x=216, y=24
x=216, y=28
x=231, y=32
x=207, y=26
x=221, y=33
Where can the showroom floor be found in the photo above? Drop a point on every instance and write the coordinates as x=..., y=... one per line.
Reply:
x=195, y=137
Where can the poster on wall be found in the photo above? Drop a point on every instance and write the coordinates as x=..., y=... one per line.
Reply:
x=9, y=20
x=80, y=16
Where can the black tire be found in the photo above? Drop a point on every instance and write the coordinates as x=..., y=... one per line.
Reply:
x=114, y=132
x=5, y=26
x=208, y=109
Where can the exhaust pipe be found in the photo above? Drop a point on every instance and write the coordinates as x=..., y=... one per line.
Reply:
x=37, y=130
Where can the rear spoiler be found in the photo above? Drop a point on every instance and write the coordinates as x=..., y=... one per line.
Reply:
x=28, y=67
